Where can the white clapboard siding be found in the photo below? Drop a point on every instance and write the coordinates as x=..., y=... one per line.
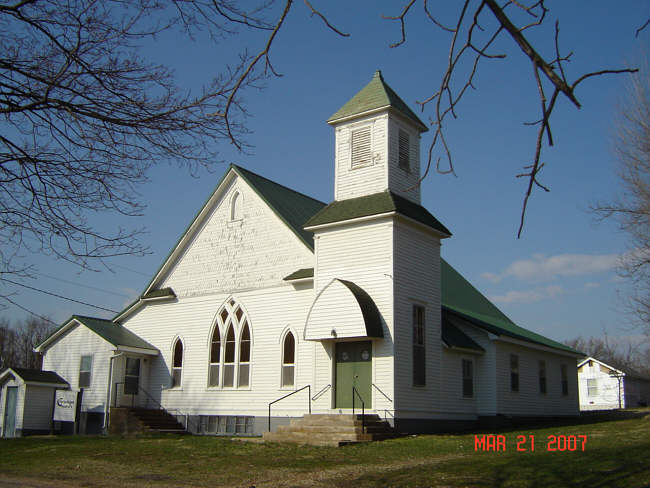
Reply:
x=401, y=181
x=335, y=309
x=484, y=400
x=528, y=401
x=607, y=388
x=39, y=401
x=64, y=357
x=417, y=282
x=225, y=256
x=352, y=182
x=362, y=253
x=271, y=312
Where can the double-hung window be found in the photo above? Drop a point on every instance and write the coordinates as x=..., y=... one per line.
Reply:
x=468, y=378
x=419, y=358
x=85, y=369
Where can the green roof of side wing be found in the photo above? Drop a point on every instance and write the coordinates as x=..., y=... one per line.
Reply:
x=460, y=297
x=375, y=204
x=113, y=333
x=375, y=95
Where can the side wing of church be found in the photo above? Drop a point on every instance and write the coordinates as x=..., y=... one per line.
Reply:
x=270, y=292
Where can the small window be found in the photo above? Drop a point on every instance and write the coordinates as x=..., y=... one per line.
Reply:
x=468, y=378
x=361, y=147
x=404, y=149
x=592, y=387
x=229, y=360
x=419, y=363
x=85, y=368
x=565, y=380
x=288, y=360
x=215, y=357
x=244, y=357
x=514, y=372
x=236, y=207
x=177, y=364
x=542, y=376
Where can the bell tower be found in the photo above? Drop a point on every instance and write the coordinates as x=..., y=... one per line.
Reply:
x=377, y=144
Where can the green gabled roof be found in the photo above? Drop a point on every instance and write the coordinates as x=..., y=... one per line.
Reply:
x=374, y=95
x=375, y=204
x=113, y=333
x=461, y=298
x=292, y=207
x=454, y=337
x=108, y=330
x=301, y=274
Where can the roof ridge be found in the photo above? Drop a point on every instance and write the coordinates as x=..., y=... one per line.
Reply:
x=240, y=168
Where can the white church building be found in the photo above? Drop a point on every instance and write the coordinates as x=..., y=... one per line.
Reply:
x=269, y=291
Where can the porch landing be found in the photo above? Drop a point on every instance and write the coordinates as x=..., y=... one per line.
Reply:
x=332, y=430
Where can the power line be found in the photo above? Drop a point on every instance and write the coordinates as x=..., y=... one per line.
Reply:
x=84, y=286
x=29, y=311
x=57, y=296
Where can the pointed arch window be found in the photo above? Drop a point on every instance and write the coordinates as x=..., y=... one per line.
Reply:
x=177, y=364
x=229, y=359
x=288, y=360
x=230, y=354
x=215, y=357
x=236, y=206
x=244, y=356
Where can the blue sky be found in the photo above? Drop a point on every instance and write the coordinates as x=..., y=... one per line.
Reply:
x=559, y=279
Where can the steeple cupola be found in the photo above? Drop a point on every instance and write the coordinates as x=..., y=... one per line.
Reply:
x=377, y=144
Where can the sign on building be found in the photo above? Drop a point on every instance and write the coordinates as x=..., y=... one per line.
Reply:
x=65, y=405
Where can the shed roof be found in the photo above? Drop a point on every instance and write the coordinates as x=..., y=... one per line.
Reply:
x=375, y=204
x=38, y=376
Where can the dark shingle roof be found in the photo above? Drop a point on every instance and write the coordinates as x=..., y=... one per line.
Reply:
x=375, y=204
x=300, y=274
x=454, y=337
x=374, y=95
x=38, y=376
x=162, y=292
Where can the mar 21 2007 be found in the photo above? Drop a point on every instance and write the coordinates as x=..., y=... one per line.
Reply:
x=526, y=443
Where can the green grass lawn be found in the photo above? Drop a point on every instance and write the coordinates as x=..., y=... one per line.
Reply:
x=616, y=454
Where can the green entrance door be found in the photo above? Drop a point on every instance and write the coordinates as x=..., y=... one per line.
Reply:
x=10, y=412
x=353, y=368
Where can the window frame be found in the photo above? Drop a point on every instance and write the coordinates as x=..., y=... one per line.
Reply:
x=356, y=129
x=592, y=390
x=174, y=369
x=89, y=371
x=564, y=378
x=418, y=331
x=231, y=316
x=465, y=378
x=236, y=206
x=514, y=373
x=285, y=365
x=216, y=331
x=541, y=374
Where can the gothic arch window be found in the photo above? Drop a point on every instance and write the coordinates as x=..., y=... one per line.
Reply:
x=288, y=360
x=215, y=357
x=230, y=354
x=236, y=206
x=177, y=363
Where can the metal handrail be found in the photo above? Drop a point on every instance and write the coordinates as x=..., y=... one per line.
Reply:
x=363, y=409
x=379, y=390
x=288, y=395
x=321, y=393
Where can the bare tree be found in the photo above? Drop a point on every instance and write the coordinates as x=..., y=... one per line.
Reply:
x=624, y=355
x=632, y=208
x=17, y=343
x=84, y=116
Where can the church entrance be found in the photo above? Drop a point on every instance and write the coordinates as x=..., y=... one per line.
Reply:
x=353, y=368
